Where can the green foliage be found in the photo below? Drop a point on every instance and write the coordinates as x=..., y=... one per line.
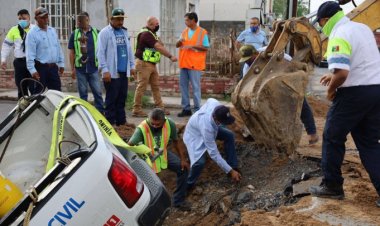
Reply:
x=130, y=98
x=280, y=8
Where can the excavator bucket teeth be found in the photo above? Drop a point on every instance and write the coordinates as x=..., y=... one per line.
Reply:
x=270, y=104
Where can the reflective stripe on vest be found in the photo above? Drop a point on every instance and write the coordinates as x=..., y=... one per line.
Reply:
x=190, y=58
x=162, y=161
x=78, y=54
x=150, y=54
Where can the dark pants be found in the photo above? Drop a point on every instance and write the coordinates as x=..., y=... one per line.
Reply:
x=21, y=72
x=174, y=164
x=49, y=77
x=307, y=118
x=355, y=110
x=229, y=150
x=116, y=95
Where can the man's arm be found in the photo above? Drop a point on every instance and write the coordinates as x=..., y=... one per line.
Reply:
x=160, y=48
x=101, y=52
x=333, y=81
x=180, y=147
x=30, y=53
x=6, y=49
x=61, y=58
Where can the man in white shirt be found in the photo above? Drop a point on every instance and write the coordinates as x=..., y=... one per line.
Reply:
x=203, y=128
x=16, y=39
x=353, y=86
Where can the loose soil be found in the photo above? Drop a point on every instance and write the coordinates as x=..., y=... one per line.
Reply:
x=265, y=194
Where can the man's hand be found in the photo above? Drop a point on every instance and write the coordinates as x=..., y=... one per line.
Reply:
x=235, y=175
x=36, y=76
x=61, y=70
x=107, y=77
x=73, y=74
x=331, y=93
x=3, y=65
x=326, y=79
x=173, y=59
x=185, y=165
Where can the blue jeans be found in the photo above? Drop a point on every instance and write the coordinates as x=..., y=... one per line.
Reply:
x=307, y=118
x=116, y=95
x=355, y=110
x=228, y=137
x=93, y=80
x=193, y=76
x=174, y=164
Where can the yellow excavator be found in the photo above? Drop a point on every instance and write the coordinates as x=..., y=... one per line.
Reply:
x=269, y=97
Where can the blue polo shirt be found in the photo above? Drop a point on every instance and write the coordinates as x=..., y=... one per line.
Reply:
x=90, y=66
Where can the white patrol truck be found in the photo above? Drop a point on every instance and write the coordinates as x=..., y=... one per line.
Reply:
x=94, y=178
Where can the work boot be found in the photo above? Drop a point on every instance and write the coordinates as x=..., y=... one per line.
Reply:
x=183, y=206
x=184, y=113
x=378, y=203
x=139, y=114
x=324, y=191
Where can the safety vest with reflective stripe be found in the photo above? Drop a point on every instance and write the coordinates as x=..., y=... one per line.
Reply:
x=162, y=161
x=150, y=54
x=78, y=53
x=190, y=58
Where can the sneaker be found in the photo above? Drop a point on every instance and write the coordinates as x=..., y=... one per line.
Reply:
x=378, y=203
x=139, y=114
x=183, y=206
x=184, y=113
x=325, y=192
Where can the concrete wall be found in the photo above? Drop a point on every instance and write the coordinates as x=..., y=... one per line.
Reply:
x=229, y=10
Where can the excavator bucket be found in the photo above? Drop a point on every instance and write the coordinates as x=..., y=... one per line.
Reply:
x=269, y=98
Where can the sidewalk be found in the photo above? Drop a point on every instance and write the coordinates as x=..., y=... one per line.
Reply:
x=169, y=101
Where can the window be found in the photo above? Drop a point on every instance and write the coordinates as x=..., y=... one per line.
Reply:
x=62, y=15
x=191, y=7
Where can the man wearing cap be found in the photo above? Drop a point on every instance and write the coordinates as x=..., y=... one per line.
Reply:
x=84, y=64
x=44, y=56
x=203, y=128
x=116, y=63
x=16, y=39
x=160, y=132
x=248, y=55
x=353, y=86
x=149, y=49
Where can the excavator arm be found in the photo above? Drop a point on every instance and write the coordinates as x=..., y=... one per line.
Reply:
x=269, y=98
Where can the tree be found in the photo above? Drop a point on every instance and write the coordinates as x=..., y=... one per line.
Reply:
x=280, y=8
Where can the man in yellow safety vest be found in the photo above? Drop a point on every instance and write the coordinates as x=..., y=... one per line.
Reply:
x=160, y=134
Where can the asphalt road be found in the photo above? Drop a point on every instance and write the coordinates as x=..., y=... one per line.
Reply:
x=5, y=107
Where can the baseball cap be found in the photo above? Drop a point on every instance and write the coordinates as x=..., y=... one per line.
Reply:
x=223, y=115
x=246, y=52
x=328, y=9
x=117, y=13
x=41, y=11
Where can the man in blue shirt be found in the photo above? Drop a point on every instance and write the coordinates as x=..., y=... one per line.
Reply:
x=84, y=64
x=44, y=56
x=253, y=35
x=116, y=62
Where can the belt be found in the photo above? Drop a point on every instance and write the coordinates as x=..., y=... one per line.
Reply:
x=45, y=64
